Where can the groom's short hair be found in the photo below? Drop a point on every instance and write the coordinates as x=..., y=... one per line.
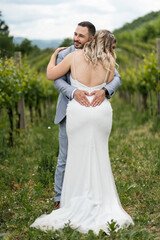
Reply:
x=90, y=26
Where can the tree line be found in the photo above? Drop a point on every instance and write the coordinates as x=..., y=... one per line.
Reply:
x=8, y=47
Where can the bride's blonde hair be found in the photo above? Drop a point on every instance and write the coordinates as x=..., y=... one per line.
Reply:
x=100, y=49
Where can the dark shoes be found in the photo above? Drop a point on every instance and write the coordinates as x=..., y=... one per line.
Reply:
x=56, y=205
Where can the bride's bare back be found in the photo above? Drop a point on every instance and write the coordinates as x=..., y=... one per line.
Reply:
x=86, y=73
x=81, y=70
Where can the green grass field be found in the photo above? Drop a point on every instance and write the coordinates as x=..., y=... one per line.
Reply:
x=27, y=171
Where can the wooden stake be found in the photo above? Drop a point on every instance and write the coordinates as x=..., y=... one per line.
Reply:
x=158, y=92
x=21, y=102
x=138, y=96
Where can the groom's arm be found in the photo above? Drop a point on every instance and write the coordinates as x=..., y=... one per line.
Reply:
x=112, y=87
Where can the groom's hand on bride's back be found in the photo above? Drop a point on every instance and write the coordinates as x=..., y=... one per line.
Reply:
x=99, y=97
x=80, y=96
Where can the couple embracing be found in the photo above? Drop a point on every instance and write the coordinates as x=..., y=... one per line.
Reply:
x=85, y=189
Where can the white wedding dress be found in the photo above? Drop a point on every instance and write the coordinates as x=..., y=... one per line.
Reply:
x=89, y=197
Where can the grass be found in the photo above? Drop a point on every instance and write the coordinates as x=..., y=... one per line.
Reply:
x=27, y=176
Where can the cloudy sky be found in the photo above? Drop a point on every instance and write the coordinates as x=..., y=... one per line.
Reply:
x=56, y=19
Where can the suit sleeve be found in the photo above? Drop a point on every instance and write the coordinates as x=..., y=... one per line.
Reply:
x=112, y=86
x=61, y=83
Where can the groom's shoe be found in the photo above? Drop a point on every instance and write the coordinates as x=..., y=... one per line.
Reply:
x=56, y=205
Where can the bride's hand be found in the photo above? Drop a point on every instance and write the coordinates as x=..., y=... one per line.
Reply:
x=99, y=96
x=58, y=50
x=80, y=96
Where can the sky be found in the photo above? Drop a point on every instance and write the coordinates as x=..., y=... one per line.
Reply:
x=57, y=19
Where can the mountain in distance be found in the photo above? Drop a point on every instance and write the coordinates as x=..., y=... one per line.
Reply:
x=42, y=44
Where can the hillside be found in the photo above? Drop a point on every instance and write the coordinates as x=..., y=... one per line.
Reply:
x=39, y=62
x=139, y=22
x=137, y=39
x=134, y=41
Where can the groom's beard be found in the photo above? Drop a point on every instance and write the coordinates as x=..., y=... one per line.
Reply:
x=78, y=45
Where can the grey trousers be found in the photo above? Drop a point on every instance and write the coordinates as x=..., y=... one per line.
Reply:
x=61, y=162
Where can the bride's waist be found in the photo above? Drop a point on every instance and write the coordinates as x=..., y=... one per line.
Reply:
x=90, y=98
x=83, y=86
x=90, y=89
x=78, y=109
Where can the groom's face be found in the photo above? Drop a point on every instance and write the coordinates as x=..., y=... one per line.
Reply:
x=81, y=36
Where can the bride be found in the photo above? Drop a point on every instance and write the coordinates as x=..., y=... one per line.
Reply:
x=89, y=197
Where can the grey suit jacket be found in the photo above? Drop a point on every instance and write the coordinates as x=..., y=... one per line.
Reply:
x=64, y=86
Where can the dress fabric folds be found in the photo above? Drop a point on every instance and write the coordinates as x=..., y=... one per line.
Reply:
x=89, y=197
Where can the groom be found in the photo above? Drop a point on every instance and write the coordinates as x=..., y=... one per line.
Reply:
x=84, y=32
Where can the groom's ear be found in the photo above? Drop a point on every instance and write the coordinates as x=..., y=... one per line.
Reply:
x=91, y=38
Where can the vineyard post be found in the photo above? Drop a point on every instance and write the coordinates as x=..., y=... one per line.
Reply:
x=138, y=96
x=21, y=102
x=158, y=92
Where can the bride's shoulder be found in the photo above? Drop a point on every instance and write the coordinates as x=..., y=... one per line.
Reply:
x=79, y=51
x=77, y=54
x=69, y=55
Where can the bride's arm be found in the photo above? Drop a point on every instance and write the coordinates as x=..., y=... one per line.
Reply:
x=55, y=71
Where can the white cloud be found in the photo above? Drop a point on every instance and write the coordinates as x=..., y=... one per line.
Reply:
x=37, y=19
x=35, y=2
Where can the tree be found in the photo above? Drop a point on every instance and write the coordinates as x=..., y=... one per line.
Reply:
x=6, y=41
x=4, y=30
x=66, y=42
x=26, y=46
x=148, y=33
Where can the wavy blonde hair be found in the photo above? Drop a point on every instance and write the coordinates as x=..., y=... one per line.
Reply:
x=100, y=49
